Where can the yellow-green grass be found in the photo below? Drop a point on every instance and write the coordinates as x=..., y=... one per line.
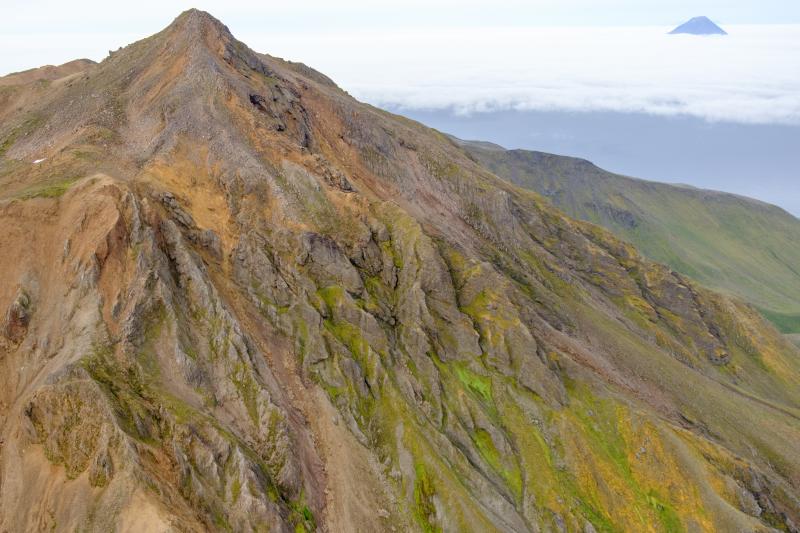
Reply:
x=733, y=244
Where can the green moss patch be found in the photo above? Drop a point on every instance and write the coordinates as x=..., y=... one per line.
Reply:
x=424, y=490
x=52, y=189
x=480, y=385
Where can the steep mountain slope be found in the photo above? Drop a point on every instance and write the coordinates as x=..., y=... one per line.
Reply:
x=733, y=244
x=235, y=298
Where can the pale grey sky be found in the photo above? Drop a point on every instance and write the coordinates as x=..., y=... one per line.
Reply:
x=24, y=16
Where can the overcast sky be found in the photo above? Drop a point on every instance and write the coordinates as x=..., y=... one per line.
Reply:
x=604, y=55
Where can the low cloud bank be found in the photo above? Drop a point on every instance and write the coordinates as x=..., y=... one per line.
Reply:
x=749, y=76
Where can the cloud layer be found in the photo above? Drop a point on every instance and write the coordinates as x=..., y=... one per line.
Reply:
x=749, y=76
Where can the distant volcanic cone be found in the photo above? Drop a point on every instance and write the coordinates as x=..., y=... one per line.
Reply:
x=699, y=26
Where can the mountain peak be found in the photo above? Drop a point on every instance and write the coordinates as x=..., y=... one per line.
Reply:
x=194, y=22
x=197, y=18
x=699, y=26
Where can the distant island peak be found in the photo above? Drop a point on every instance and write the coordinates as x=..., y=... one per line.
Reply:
x=699, y=26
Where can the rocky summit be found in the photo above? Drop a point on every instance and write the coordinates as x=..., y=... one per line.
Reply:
x=234, y=298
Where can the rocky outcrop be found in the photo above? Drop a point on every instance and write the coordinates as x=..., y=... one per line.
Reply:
x=15, y=324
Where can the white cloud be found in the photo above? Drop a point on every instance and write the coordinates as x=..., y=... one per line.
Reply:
x=455, y=58
x=751, y=75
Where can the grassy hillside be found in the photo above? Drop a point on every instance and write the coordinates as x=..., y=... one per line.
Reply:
x=734, y=244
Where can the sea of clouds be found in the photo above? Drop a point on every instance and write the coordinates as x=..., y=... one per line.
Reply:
x=751, y=75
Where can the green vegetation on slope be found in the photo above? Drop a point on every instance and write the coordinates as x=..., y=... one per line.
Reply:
x=730, y=243
x=52, y=189
x=493, y=364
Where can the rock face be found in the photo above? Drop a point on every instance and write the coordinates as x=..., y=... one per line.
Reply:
x=298, y=312
x=699, y=26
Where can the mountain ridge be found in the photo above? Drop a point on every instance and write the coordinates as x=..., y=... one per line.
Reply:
x=46, y=72
x=237, y=298
x=753, y=262
x=487, y=145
